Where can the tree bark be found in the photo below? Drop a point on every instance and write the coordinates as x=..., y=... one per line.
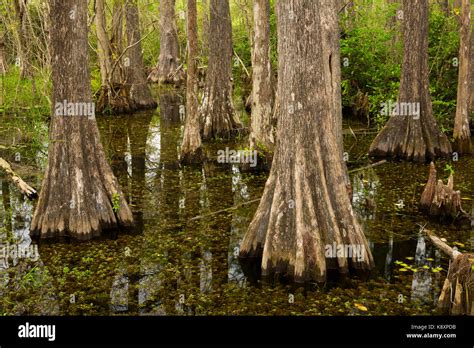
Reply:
x=410, y=135
x=140, y=95
x=166, y=71
x=3, y=61
x=462, y=133
x=457, y=296
x=103, y=43
x=113, y=96
x=471, y=68
x=80, y=196
x=23, y=50
x=116, y=40
x=305, y=206
x=218, y=118
x=191, y=151
x=205, y=27
x=261, y=129
x=439, y=199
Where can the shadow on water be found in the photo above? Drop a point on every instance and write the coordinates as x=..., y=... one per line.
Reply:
x=183, y=257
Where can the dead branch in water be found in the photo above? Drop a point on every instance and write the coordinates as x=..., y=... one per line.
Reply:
x=369, y=166
x=457, y=296
x=26, y=189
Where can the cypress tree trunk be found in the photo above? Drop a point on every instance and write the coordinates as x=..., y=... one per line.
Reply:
x=3, y=61
x=305, y=206
x=261, y=132
x=218, y=117
x=191, y=151
x=23, y=51
x=113, y=96
x=462, y=133
x=205, y=27
x=409, y=134
x=140, y=95
x=116, y=40
x=471, y=67
x=80, y=196
x=166, y=71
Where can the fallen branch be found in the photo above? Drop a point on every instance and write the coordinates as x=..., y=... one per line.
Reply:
x=456, y=297
x=242, y=63
x=369, y=166
x=437, y=242
x=224, y=210
x=27, y=190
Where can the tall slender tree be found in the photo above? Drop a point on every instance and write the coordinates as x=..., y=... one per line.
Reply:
x=261, y=129
x=412, y=132
x=21, y=8
x=471, y=67
x=3, y=60
x=191, y=146
x=80, y=196
x=462, y=133
x=305, y=206
x=217, y=112
x=205, y=27
x=167, y=68
x=139, y=93
x=113, y=95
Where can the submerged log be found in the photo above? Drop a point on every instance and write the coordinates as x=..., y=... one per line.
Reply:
x=27, y=190
x=457, y=297
x=439, y=199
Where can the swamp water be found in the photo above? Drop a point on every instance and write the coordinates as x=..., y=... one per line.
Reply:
x=182, y=260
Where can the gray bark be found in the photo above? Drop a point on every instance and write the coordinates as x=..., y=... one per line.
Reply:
x=305, y=206
x=79, y=189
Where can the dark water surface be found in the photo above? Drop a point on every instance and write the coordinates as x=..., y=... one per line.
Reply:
x=177, y=264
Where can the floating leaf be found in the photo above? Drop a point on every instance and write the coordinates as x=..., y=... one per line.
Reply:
x=409, y=257
x=360, y=307
x=402, y=269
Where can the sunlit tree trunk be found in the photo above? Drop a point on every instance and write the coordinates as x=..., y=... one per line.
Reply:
x=166, y=71
x=412, y=133
x=191, y=146
x=80, y=196
x=261, y=132
x=139, y=93
x=218, y=118
x=305, y=206
x=462, y=134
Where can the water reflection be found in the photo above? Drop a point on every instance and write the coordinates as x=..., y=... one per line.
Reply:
x=421, y=284
x=174, y=260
